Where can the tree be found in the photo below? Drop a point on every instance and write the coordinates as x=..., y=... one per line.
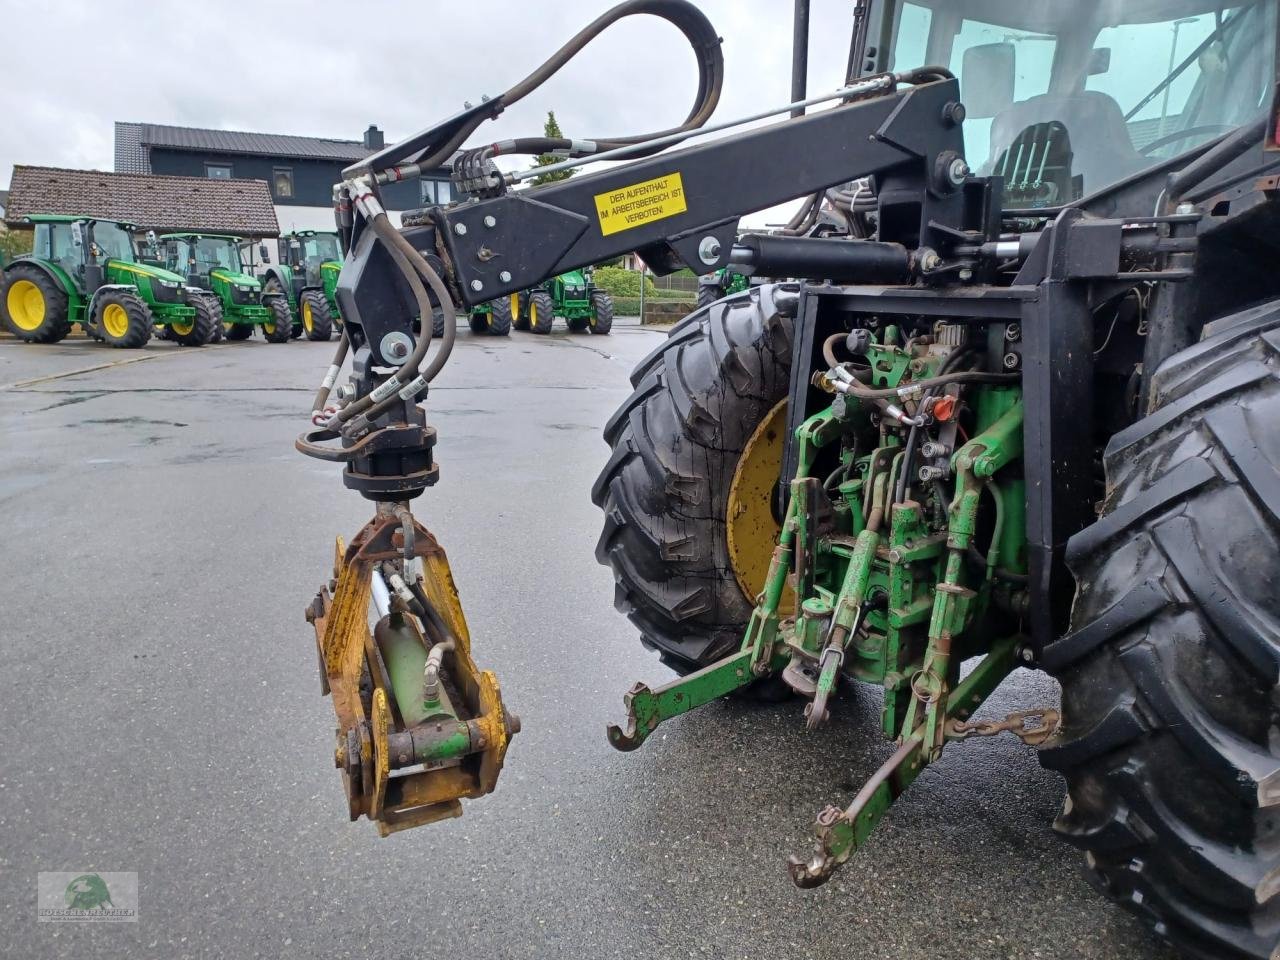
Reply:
x=550, y=129
x=14, y=242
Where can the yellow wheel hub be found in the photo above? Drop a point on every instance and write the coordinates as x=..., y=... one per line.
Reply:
x=182, y=327
x=515, y=306
x=26, y=305
x=533, y=314
x=752, y=529
x=269, y=327
x=306, y=316
x=115, y=320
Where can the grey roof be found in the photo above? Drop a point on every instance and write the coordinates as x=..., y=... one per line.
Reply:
x=258, y=144
x=161, y=203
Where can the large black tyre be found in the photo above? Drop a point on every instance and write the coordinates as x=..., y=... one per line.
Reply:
x=601, y=312
x=197, y=331
x=708, y=294
x=279, y=328
x=122, y=319
x=317, y=321
x=542, y=311
x=502, y=315
x=676, y=446
x=520, y=311
x=437, y=323
x=215, y=304
x=237, y=331
x=479, y=322
x=1170, y=701
x=577, y=324
x=33, y=306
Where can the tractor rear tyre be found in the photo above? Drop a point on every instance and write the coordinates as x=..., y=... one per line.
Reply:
x=237, y=331
x=601, y=312
x=198, y=330
x=33, y=306
x=1170, y=694
x=122, y=319
x=279, y=327
x=520, y=311
x=687, y=492
x=709, y=293
x=501, y=315
x=317, y=322
x=542, y=312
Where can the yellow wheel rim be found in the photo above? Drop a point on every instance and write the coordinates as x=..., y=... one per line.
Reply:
x=181, y=328
x=306, y=317
x=269, y=327
x=115, y=320
x=515, y=306
x=226, y=327
x=533, y=314
x=752, y=529
x=26, y=305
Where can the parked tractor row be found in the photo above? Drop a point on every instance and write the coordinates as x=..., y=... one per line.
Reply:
x=190, y=288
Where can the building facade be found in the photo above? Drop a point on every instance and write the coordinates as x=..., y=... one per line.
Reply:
x=300, y=171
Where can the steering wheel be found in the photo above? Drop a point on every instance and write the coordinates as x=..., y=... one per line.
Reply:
x=1177, y=135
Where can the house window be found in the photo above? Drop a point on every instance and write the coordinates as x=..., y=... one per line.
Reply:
x=217, y=171
x=435, y=192
x=282, y=182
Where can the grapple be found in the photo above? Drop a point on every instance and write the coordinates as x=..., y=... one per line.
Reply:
x=420, y=726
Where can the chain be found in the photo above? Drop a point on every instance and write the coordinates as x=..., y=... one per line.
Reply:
x=1032, y=727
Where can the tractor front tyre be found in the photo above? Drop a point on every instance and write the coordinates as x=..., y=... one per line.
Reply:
x=122, y=319
x=501, y=316
x=601, y=312
x=520, y=311
x=279, y=327
x=316, y=321
x=479, y=322
x=709, y=293
x=33, y=305
x=215, y=306
x=577, y=324
x=1170, y=672
x=198, y=330
x=542, y=312
x=687, y=493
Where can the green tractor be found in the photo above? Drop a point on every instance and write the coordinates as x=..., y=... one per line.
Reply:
x=307, y=276
x=720, y=284
x=571, y=295
x=211, y=262
x=496, y=317
x=85, y=270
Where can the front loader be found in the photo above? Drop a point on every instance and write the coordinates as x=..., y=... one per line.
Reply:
x=85, y=270
x=1020, y=413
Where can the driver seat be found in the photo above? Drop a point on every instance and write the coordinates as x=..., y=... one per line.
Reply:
x=1104, y=153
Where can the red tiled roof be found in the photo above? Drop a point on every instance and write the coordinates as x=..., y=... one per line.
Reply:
x=196, y=204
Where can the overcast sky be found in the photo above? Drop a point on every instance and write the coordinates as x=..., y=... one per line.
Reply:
x=323, y=68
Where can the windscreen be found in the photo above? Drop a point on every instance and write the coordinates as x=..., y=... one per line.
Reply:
x=1065, y=98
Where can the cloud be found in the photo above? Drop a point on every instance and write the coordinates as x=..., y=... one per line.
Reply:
x=330, y=69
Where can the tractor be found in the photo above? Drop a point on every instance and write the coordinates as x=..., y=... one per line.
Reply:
x=211, y=262
x=719, y=284
x=571, y=295
x=307, y=275
x=1020, y=413
x=86, y=270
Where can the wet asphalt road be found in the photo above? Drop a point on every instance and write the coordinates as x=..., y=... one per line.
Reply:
x=162, y=715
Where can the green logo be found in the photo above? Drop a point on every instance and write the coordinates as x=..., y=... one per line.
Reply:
x=88, y=892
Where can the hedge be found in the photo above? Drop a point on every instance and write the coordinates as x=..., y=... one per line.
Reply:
x=620, y=283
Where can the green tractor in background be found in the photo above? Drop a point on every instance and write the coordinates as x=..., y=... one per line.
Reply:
x=85, y=270
x=496, y=317
x=307, y=276
x=720, y=284
x=212, y=263
x=571, y=295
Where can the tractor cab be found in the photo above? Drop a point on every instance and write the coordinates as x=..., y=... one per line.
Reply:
x=306, y=274
x=1063, y=100
x=307, y=253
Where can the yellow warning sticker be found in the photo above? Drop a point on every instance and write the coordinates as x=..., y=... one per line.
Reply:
x=640, y=203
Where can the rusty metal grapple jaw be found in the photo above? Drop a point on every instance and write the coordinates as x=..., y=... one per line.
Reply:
x=420, y=726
